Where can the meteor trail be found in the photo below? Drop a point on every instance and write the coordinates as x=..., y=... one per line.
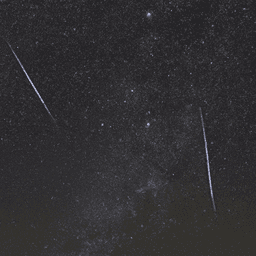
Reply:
x=54, y=120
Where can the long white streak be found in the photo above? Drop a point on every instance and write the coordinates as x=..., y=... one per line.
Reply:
x=32, y=83
x=207, y=157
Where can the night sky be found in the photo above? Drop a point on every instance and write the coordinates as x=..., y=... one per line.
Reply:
x=124, y=81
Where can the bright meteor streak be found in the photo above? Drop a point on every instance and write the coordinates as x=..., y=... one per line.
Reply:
x=31, y=83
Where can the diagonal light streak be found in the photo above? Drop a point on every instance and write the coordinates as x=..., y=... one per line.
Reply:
x=38, y=94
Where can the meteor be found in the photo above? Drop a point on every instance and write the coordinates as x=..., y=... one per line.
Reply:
x=38, y=94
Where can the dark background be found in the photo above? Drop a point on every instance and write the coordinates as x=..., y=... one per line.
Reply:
x=106, y=71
